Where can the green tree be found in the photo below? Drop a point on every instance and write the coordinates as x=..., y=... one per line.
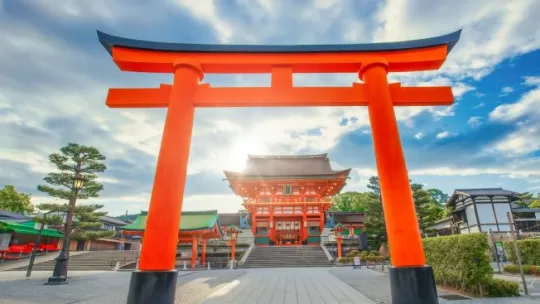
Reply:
x=11, y=200
x=536, y=202
x=74, y=161
x=438, y=196
x=86, y=222
x=524, y=199
x=375, y=224
x=428, y=210
x=350, y=201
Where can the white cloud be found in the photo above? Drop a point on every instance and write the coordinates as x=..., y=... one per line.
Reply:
x=532, y=80
x=507, y=90
x=528, y=104
x=478, y=105
x=443, y=134
x=475, y=121
x=419, y=135
x=206, y=10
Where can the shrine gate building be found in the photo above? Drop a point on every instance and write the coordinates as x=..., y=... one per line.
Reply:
x=287, y=196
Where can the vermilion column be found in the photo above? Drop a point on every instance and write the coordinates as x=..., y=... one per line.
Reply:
x=254, y=224
x=339, y=247
x=156, y=279
x=411, y=281
x=304, y=224
x=161, y=235
x=233, y=250
x=203, y=253
x=194, y=252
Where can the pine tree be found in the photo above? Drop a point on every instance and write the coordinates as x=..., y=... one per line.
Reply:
x=428, y=210
x=375, y=224
x=74, y=161
x=86, y=222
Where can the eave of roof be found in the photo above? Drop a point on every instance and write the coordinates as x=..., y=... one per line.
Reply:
x=110, y=41
x=238, y=175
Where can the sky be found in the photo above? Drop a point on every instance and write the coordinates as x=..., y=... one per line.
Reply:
x=54, y=77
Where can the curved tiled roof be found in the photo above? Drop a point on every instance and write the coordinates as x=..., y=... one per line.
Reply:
x=190, y=221
x=287, y=166
x=110, y=41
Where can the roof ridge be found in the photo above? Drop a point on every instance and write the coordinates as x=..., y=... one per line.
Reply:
x=294, y=156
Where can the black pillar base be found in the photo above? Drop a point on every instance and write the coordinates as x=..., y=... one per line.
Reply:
x=59, y=280
x=157, y=287
x=413, y=285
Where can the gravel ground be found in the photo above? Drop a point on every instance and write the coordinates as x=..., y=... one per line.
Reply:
x=375, y=285
x=91, y=287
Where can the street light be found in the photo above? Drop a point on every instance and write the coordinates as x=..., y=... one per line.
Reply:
x=338, y=231
x=60, y=268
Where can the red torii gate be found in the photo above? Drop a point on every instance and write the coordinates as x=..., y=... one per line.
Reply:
x=411, y=280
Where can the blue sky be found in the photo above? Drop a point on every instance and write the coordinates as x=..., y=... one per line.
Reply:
x=54, y=77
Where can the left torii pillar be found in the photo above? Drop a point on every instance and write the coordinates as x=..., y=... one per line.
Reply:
x=155, y=280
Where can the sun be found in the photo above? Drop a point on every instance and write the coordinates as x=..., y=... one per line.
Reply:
x=239, y=150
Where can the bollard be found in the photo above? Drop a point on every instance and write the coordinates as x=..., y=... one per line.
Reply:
x=117, y=266
x=185, y=265
x=208, y=266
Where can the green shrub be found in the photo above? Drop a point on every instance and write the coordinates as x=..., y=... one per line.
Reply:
x=527, y=269
x=363, y=253
x=374, y=252
x=529, y=249
x=353, y=253
x=376, y=259
x=502, y=288
x=461, y=261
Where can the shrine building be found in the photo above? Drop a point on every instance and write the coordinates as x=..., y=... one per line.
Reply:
x=287, y=196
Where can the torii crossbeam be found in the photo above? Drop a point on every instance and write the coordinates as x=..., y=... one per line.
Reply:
x=411, y=280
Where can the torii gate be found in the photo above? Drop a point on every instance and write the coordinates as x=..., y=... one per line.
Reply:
x=411, y=280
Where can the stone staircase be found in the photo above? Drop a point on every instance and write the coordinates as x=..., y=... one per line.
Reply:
x=284, y=256
x=92, y=260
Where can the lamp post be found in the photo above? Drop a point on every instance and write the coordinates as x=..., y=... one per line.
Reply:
x=36, y=244
x=338, y=230
x=232, y=233
x=60, y=268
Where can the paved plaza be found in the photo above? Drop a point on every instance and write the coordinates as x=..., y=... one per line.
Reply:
x=283, y=285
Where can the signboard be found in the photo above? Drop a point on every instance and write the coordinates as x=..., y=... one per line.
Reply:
x=499, y=246
x=356, y=262
x=4, y=241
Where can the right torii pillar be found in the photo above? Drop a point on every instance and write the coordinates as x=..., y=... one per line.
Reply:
x=411, y=280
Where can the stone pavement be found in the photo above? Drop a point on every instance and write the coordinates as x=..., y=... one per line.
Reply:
x=283, y=285
x=375, y=285
x=287, y=285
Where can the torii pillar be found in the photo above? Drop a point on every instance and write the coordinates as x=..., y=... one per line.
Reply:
x=411, y=281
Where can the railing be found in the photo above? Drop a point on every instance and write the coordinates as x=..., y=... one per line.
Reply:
x=287, y=201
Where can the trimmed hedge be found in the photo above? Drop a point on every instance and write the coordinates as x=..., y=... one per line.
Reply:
x=460, y=261
x=529, y=249
x=463, y=261
x=502, y=288
x=527, y=269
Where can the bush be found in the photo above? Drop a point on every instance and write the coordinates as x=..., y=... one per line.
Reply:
x=376, y=259
x=374, y=252
x=461, y=261
x=527, y=269
x=363, y=253
x=353, y=253
x=529, y=249
x=502, y=288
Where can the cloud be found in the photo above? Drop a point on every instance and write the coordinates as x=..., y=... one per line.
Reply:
x=443, y=134
x=474, y=121
x=478, y=105
x=419, y=135
x=55, y=76
x=506, y=90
